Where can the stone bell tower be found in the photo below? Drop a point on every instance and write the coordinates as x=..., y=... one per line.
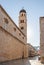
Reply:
x=23, y=21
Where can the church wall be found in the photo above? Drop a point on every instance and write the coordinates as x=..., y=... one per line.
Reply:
x=26, y=51
x=12, y=40
x=31, y=51
x=10, y=47
x=10, y=26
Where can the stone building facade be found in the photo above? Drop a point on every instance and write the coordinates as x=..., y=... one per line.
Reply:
x=31, y=50
x=42, y=38
x=13, y=39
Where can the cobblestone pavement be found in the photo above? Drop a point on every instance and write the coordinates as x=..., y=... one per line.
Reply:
x=29, y=61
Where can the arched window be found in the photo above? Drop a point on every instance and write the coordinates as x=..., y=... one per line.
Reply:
x=20, y=34
x=14, y=29
x=22, y=14
x=23, y=37
x=22, y=28
x=22, y=21
x=6, y=20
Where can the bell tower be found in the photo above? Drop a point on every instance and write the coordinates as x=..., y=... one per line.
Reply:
x=23, y=21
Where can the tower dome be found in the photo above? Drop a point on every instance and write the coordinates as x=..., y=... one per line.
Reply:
x=22, y=11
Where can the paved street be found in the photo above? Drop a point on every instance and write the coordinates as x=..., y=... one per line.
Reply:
x=29, y=61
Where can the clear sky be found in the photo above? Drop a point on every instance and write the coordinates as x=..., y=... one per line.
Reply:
x=34, y=9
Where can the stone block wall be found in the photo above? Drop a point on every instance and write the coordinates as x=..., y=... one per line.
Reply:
x=42, y=38
x=10, y=47
x=12, y=40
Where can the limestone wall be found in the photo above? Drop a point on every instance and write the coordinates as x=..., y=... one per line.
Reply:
x=10, y=47
x=8, y=24
x=12, y=40
x=42, y=38
x=26, y=51
x=42, y=35
x=31, y=50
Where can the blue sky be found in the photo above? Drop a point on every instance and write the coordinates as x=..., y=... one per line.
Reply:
x=34, y=9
